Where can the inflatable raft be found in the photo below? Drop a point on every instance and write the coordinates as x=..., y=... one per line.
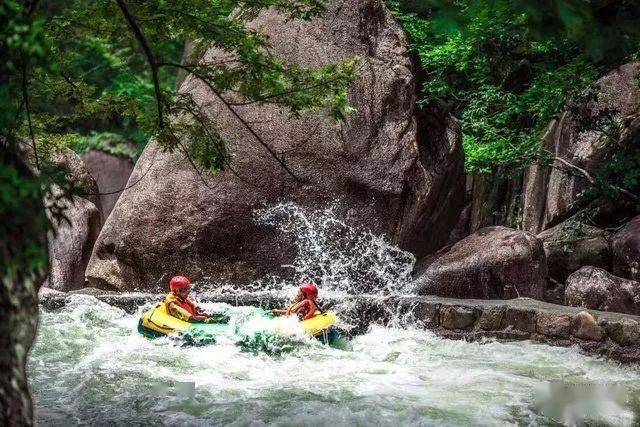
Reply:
x=157, y=322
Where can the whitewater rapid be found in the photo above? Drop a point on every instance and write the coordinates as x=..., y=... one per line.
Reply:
x=90, y=366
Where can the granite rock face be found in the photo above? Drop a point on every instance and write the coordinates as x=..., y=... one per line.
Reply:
x=594, y=288
x=493, y=263
x=549, y=192
x=568, y=247
x=391, y=169
x=111, y=174
x=71, y=241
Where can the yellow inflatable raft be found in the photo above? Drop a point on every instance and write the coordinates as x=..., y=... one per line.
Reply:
x=318, y=323
x=158, y=322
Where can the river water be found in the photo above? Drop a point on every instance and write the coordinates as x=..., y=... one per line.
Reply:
x=90, y=366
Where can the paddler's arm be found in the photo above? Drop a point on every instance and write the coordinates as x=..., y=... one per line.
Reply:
x=295, y=309
x=278, y=311
x=182, y=314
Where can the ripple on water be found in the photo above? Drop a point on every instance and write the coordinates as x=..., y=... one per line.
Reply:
x=89, y=365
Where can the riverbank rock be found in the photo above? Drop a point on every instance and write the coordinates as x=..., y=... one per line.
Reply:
x=624, y=331
x=594, y=288
x=553, y=325
x=388, y=168
x=71, y=241
x=585, y=326
x=626, y=250
x=568, y=247
x=111, y=174
x=493, y=263
x=78, y=173
x=454, y=317
x=549, y=192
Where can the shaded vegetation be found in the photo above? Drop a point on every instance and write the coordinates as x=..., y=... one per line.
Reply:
x=507, y=67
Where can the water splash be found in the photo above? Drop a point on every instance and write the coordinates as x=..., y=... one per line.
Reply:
x=337, y=255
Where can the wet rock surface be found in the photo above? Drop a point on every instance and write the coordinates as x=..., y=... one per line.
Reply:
x=594, y=288
x=454, y=317
x=493, y=263
x=391, y=169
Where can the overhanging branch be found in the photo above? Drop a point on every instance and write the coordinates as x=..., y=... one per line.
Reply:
x=236, y=115
x=137, y=32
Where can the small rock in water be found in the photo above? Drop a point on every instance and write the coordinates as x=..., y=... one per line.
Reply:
x=584, y=326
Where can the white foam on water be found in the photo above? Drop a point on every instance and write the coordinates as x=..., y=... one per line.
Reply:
x=90, y=366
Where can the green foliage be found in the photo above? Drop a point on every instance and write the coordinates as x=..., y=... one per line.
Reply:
x=507, y=67
x=109, y=142
x=20, y=196
x=110, y=68
x=100, y=73
x=621, y=172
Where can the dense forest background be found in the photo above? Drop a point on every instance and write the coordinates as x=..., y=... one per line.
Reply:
x=506, y=69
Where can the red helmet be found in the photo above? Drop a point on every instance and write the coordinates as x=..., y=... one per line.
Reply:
x=309, y=290
x=179, y=282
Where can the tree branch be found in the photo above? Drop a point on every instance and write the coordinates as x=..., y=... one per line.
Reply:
x=150, y=58
x=590, y=178
x=25, y=98
x=237, y=116
x=264, y=98
x=32, y=7
x=578, y=169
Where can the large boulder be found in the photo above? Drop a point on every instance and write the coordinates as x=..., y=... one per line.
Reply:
x=389, y=170
x=568, y=247
x=111, y=173
x=595, y=288
x=71, y=241
x=626, y=250
x=78, y=173
x=493, y=263
x=550, y=192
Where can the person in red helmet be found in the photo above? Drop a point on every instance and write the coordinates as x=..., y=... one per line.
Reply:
x=305, y=305
x=179, y=303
